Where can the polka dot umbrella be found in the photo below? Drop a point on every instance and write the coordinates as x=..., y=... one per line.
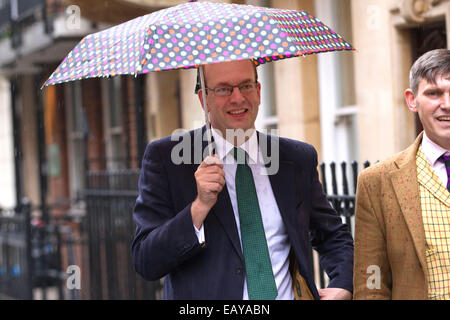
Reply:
x=196, y=33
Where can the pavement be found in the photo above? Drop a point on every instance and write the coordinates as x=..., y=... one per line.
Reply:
x=5, y=297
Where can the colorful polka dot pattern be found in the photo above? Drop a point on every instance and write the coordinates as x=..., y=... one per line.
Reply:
x=195, y=33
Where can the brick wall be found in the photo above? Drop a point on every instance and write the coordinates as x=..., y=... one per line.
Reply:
x=92, y=102
x=56, y=143
x=129, y=120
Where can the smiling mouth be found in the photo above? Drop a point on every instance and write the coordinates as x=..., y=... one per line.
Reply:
x=444, y=118
x=237, y=112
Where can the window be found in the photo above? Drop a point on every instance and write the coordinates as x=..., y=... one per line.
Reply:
x=267, y=116
x=77, y=131
x=112, y=107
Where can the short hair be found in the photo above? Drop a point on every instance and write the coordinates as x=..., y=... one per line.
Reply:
x=429, y=66
x=198, y=85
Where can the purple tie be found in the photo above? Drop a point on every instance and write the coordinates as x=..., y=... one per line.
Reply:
x=446, y=160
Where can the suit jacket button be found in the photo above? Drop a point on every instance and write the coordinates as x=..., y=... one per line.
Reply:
x=239, y=270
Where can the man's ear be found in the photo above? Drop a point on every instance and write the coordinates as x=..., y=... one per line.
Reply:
x=411, y=100
x=258, y=90
x=200, y=97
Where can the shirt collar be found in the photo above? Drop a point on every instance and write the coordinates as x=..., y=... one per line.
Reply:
x=223, y=146
x=431, y=150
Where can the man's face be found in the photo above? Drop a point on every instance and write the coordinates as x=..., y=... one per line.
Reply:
x=432, y=103
x=237, y=111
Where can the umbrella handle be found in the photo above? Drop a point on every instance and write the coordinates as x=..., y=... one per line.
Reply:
x=205, y=109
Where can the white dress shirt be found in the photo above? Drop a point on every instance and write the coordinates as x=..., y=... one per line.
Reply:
x=276, y=234
x=432, y=153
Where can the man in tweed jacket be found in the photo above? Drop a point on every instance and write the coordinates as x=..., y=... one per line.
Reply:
x=402, y=233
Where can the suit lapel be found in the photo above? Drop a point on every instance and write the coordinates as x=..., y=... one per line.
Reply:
x=284, y=190
x=283, y=184
x=283, y=179
x=406, y=187
x=223, y=209
x=287, y=189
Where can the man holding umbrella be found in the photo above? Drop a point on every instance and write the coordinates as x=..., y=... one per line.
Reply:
x=227, y=228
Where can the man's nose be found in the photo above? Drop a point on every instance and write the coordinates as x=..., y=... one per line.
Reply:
x=446, y=101
x=236, y=95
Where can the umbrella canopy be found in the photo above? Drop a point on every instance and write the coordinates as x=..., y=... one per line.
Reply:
x=196, y=33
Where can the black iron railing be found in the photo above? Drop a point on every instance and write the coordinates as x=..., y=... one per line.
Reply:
x=5, y=17
x=15, y=252
x=340, y=188
x=35, y=255
x=341, y=196
x=57, y=247
x=110, y=198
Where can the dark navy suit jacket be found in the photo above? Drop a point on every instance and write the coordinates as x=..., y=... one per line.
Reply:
x=165, y=243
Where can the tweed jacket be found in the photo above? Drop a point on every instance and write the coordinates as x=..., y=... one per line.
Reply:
x=390, y=260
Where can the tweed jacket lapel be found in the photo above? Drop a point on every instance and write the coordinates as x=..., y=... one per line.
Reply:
x=429, y=179
x=406, y=188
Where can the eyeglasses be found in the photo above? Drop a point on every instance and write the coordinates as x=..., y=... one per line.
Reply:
x=225, y=91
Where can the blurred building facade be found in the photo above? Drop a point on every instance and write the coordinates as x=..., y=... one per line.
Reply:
x=349, y=105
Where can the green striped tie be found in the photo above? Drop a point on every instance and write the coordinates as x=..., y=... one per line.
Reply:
x=260, y=280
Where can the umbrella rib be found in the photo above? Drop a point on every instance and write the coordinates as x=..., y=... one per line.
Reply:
x=205, y=109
